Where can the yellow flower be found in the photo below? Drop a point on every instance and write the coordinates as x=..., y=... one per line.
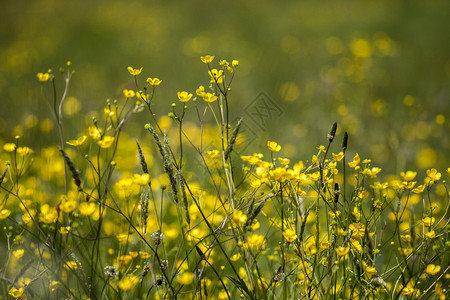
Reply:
x=368, y=269
x=433, y=174
x=208, y=97
x=143, y=179
x=235, y=257
x=419, y=189
x=79, y=141
x=95, y=132
x=48, y=214
x=338, y=157
x=200, y=91
x=405, y=251
x=284, y=161
x=239, y=217
x=16, y=293
x=122, y=238
x=290, y=235
x=427, y=221
x=341, y=251
x=315, y=160
x=124, y=259
x=144, y=255
x=408, y=289
x=108, y=112
x=216, y=76
x=64, y=229
x=128, y=282
x=154, y=81
x=334, y=215
x=235, y=63
x=408, y=175
x=431, y=234
x=87, y=208
x=128, y=93
x=186, y=278
x=207, y=59
x=43, y=77
x=355, y=162
x=18, y=253
x=432, y=269
x=184, y=96
x=373, y=172
x=273, y=146
x=54, y=285
x=9, y=147
x=23, y=151
x=358, y=229
x=72, y=265
x=256, y=240
x=134, y=72
x=4, y=213
x=106, y=142
x=141, y=96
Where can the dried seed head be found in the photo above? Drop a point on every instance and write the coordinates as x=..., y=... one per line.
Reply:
x=145, y=270
x=141, y=158
x=75, y=173
x=157, y=237
x=164, y=265
x=232, y=141
x=344, y=141
x=336, y=192
x=332, y=133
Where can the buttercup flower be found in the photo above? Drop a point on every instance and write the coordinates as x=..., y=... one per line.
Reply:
x=273, y=146
x=341, y=251
x=200, y=91
x=95, y=132
x=134, y=72
x=235, y=63
x=432, y=269
x=4, y=213
x=154, y=81
x=43, y=77
x=128, y=282
x=79, y=141
x=207, y=59
x=184, y=96
x=16, y=293
x=106, y=142
x=290, y=235
x=408, y=175
x=23, y=151
x=9, y=147
x=208, y=97
x=128, y=93
x=216, y=76
x=18, y=253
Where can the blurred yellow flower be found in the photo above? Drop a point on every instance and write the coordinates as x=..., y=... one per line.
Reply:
x=405, y=251
x=434, y=175
x=95, y=132
x=18, y=253
x=338, y=157
x=128, y=93
x=273, y=146
x=143, y=179
x=184, y=96
x=16, y=293
x=43, y=77
x=256, y=240
x=122, y=238
x=235, y=63
x=284, y=161
x=419, y=189
x=407, y=290
x=427, y=221
x=79, y=141
x=108, y=112
x=128, y=282
x=431, y=234
x=64, y=229
x=87, y=208
x=207, y=59
x=341, y=251
x=134, y=72
x=408, y=175
x=368, y=269
x=186, y=278
x=23, y=151
x=208, y=97
x=106, y=142
x=239, y=217
x=72, y=265
x=290, y=235
x=144, y=255
x=154, y=81
x=141, y=96
x=235, y=257
x=432, y=269
x=9, y=147
x=4, y=213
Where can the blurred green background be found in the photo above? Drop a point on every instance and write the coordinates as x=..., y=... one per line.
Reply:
x=381, y=69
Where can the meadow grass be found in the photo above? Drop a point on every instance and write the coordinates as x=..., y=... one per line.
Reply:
x=179, y=214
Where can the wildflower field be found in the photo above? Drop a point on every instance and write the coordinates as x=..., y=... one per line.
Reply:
x=328, y=184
